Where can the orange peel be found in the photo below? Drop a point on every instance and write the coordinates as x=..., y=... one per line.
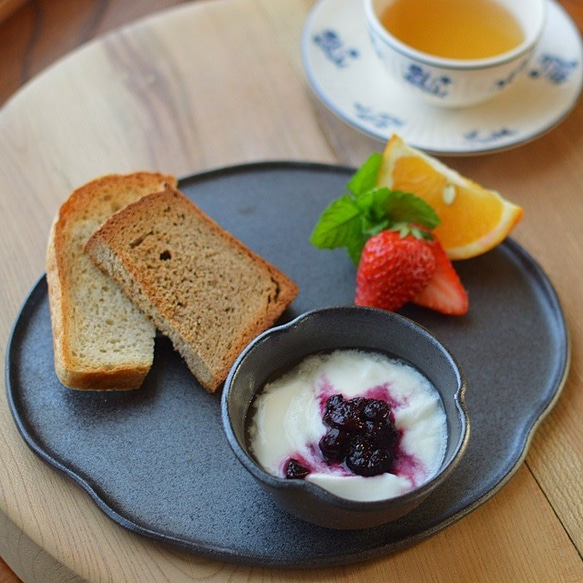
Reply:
x=473, y=219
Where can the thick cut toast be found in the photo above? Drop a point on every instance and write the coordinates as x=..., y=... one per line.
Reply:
x=101, y=340
x=200, y=286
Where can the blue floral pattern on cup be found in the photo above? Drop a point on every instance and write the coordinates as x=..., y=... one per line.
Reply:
x=437, y=85
x=501, y=84
x=335, y=49
x=553, y=68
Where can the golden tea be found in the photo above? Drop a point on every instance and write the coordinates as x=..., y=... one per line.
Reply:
x=455, y=29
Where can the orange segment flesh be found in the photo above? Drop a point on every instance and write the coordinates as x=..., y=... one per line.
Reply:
x=473, y=219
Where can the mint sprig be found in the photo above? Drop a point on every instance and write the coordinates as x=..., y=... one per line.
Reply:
x=365, y=178
x=366, y=209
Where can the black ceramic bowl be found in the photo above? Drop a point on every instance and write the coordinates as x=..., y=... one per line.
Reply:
x=327, y=329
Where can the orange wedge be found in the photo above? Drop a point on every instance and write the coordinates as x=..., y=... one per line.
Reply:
x=473, y=219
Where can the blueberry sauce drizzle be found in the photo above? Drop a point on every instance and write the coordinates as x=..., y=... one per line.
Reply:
x=361, y=438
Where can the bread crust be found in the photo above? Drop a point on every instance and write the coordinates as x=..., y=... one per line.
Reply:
x=85, y=209
x=202, y=287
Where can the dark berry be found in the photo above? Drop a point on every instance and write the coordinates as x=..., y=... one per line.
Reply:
x=358, y=455
x=365, y=460
x=380, y=462
x=375, y=410
x=383, y=435
x=362, y=435
x=343, y=414
x=333, y=445
x=334, y=401
x=295, y=471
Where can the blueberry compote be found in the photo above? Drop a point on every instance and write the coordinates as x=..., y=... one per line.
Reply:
x=360, y=434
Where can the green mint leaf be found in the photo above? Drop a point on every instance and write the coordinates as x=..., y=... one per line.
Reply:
x=373, y=204
x=404, y=207
x=367, y=209
x=355, y=246
x=365, y=178
x=338, y=225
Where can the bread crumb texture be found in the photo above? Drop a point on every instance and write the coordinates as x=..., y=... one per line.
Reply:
x=201, y=286
x=101, y=340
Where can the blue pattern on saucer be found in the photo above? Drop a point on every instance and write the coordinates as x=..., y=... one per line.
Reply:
x=477, y=137
x=377, y=119
x=553, y=68
x=334, y=49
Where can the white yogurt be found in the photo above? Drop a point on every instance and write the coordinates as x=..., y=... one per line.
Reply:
x=287, y=421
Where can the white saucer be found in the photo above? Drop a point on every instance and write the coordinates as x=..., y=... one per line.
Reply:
x=347, y=76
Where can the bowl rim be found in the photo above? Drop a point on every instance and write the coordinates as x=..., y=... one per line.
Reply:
x=277, y=483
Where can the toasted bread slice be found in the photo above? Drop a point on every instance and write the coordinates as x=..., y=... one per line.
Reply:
x=101, y=340
x=200, y=286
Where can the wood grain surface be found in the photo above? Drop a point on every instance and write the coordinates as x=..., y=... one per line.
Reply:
x=146, y=96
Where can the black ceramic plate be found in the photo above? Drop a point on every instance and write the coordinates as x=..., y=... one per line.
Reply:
x=156, y=461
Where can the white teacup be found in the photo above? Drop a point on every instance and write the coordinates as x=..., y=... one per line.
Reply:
x=455, y=82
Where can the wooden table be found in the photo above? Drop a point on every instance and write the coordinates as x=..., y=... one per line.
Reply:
x=148, y=96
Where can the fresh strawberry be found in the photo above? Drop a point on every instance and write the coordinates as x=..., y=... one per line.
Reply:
x=444, y=292
x=393, y=269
